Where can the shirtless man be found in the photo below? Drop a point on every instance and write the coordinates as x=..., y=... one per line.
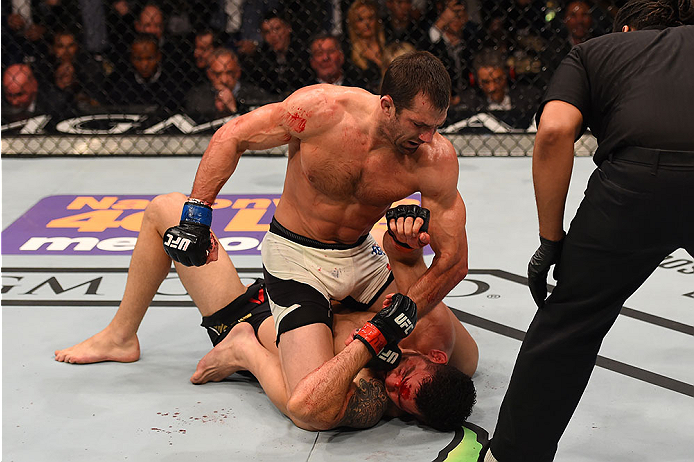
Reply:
x=353, y=397
x=351, y=154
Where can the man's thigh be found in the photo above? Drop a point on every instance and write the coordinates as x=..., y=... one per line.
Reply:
x=303, y=350
x=211, y=286
x=377, y=305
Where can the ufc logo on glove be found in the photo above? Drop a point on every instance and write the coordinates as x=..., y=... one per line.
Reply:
x=180, y=243
x=388, y=356
x=404, y=322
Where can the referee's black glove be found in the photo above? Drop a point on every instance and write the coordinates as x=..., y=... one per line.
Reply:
x=548, y=254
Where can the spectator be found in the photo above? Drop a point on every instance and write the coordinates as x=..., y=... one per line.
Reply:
x=144, y=85
x=22, y=97
x=309, y=17
x=279, y=66
x=525, y=17
x=12, y=41
x=89, y=17
x=225, y=93
x=177, y=52
x=455, y=39
x=328, y=63
x=519, y=30
x=576, y=27
x=71, y=71
x=514, y=104
x=366, y=41
x=403, y=24
x=578, y=22
x=151, y=21
x=120, y=19
x=205, y=43
x=395, y=49
x=23, y=30
x=239, y=20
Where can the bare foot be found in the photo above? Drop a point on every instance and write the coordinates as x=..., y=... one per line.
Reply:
x=225, y=358
x=101, y=347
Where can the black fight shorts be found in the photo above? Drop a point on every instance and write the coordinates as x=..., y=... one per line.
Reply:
x=251, y=307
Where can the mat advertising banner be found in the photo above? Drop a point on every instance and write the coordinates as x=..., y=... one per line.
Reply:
x=109, y=224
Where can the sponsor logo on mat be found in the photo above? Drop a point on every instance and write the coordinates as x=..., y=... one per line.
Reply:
x=108, y=225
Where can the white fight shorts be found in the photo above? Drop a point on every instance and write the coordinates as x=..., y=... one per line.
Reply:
x=303, y=275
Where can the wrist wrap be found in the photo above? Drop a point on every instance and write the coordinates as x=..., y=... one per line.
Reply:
x=372, y=337
x=196, y=213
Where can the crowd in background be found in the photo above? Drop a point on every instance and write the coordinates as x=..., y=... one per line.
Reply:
x=210, y=59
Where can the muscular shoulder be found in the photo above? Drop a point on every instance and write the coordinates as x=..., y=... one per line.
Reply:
x=313, y=109
x=438, y=163
x=367, y=403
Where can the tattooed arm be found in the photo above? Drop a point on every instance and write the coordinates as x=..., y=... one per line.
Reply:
x=339, y=393
x=367, y=404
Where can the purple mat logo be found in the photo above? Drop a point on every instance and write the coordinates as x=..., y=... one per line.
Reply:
x=107, y=225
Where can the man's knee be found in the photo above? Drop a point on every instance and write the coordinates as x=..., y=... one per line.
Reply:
x=165, y=209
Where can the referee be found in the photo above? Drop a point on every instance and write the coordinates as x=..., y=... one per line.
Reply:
x=634, y=89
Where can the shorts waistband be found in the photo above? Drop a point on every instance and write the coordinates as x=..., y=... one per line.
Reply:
x=655, y=157
x=277, y=228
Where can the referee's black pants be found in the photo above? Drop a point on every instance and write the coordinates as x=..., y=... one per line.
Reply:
x=638, y=208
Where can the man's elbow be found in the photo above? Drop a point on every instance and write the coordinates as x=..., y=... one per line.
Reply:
x=305, y=414
x=461, y=269
x=458, y=268
x=555, y=132
x=552, y=135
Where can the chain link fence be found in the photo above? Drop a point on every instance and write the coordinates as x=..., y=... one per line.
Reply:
x=132, y=77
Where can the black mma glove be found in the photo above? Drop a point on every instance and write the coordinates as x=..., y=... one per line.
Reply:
x=405, y=211
x=548, y=254
x=388, y=359
x=189, y=242
x=392, y=324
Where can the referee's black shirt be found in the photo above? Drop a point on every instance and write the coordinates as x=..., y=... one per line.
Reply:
x=633, y=89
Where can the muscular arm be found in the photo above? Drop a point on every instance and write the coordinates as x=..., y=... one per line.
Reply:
x=446, y=230
x=553, y=157
x=266, y=127
x=330, y=396
x=407, y=267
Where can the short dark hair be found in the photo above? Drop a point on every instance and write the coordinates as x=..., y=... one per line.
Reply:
x=445, y=400
x=209, y=31
x=489, y=57
x=659, y=14
x=275, y=13
x=146, y=38
x=414, y=73
x=63, y=32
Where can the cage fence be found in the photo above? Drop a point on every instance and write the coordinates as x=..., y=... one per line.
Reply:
x=133, y=77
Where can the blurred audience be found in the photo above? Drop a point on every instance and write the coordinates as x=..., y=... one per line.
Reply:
x=83, y=53
x=455, y=39
x=280, y=64
x=73, y=72
x=395, y=49
x=225, y=93
x=329, y=65
x=144, y=84
x=24, y=98
x=241, y=19
x=515, y=104
x=205, y=43
x=403, y=23
x=574, y=26
x=518, y=29
x=366, y=41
